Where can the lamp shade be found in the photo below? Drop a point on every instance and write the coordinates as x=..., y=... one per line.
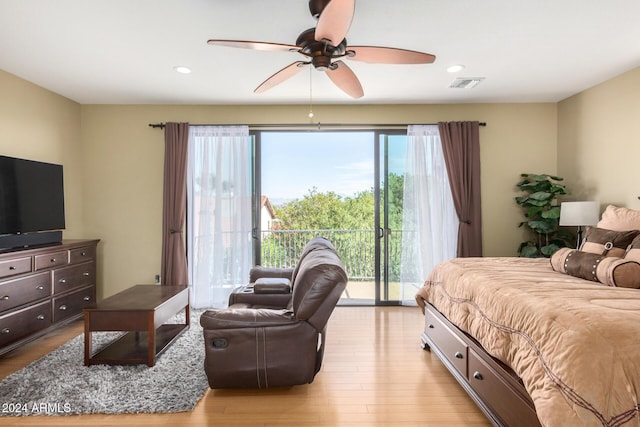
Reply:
x=579, y=213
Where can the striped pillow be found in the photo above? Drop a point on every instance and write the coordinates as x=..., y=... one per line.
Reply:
x=611, y=271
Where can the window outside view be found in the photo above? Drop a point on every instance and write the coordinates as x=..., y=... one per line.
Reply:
x=323, y=184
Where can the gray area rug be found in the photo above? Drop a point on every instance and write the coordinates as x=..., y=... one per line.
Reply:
x=60, y=384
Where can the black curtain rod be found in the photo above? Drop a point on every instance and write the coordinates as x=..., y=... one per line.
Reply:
x=309, y=125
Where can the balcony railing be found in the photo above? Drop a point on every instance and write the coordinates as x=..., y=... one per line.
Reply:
x=282, y=248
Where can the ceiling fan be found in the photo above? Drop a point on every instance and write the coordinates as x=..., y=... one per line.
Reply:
x=325, y=45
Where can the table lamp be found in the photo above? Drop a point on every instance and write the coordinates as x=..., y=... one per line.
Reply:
x=579, y=214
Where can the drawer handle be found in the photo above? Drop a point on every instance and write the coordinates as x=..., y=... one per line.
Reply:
x=83, y=253
x=477, y=375
x=87, y=298
x=53, y=260
x=62, y=280
x=5, y=331
x=40, y=288
x=63, y=307
x=12, y=267
x=459, y=355
x=86, y=274
x=431, y=326
x=40, y=317
x=4, y=298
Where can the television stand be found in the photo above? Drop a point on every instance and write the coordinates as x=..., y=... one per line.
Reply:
x=27, y=240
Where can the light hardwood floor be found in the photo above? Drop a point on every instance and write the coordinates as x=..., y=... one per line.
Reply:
x=374, y=374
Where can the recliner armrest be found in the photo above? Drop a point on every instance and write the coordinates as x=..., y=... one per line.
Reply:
x=259, y=271
x=234, y=318
x=272, y=285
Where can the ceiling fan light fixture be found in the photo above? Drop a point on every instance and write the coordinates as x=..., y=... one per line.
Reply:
x=466, y=82
x=455, y=68
x=182, y=69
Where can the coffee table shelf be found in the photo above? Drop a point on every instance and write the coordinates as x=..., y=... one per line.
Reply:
x=133, y=347
x=141, y=311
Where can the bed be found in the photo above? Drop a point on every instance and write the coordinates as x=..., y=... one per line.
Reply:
x=545, y=342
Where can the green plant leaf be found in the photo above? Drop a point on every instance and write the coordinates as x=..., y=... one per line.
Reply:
x=541, y=195
x=534, y=211
x=549, y=249
x=542, y=226
x=532, y=202
x=553, y=213
x=530, y=252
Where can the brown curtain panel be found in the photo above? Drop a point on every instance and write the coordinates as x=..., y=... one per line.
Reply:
x=174, y=204
x=461, y=148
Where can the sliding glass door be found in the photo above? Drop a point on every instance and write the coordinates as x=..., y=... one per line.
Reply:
x=342, y=185
x=390, y=170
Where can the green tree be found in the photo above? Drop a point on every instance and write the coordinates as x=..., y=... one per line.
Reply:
x=347, y=221
x=395, y=189
x=327, y=211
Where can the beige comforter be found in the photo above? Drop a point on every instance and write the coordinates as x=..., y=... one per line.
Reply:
x=574, y=343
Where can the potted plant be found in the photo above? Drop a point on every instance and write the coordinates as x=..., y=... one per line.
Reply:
x=543, y=215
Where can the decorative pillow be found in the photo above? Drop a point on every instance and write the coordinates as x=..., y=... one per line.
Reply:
x=611, y=271
x=607, y=242
x=619, y=219
x=633, y=251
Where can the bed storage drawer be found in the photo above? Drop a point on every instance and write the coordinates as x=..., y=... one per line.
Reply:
x=454, y=349
x=514, y=408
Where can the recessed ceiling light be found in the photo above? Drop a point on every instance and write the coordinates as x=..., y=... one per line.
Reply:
x=455, y=68
x=182, y=69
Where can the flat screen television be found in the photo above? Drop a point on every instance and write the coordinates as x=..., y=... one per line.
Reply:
x=31, y=196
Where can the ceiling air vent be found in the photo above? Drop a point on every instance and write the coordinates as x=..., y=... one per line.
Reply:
x=466, y=82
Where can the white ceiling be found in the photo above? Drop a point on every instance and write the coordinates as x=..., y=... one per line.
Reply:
x=124, y=51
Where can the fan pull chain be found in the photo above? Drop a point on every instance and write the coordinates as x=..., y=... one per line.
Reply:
x=310, y=94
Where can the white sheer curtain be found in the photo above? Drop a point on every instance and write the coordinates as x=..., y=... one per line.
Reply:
x=219, y=212
x=429, y=221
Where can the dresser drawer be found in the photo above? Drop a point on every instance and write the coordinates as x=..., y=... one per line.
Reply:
x=16, y=292
x=454, y=349
x=24, y=322
x=67, y=278
x=87, y=253
x=53, y=259
x=71, y=304
x=15, y=266
x=514, y=407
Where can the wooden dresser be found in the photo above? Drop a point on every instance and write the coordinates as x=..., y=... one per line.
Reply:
x=44, y=288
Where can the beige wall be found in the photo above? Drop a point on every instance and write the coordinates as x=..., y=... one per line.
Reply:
x=39, y=125
x=599, y=142
x=113, y=162
x=124, y=160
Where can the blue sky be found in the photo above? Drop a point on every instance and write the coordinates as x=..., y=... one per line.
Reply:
x=295, y=162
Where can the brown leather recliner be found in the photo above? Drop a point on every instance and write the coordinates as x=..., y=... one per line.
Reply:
x=274, y=347
x=277, y=295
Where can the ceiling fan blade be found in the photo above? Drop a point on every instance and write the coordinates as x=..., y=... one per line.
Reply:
x=389, y=55
x=282, y=75
x=345, y=79
x=246, y=44
x=335, y=20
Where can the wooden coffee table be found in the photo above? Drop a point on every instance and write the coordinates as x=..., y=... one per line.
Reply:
x=142, y=311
